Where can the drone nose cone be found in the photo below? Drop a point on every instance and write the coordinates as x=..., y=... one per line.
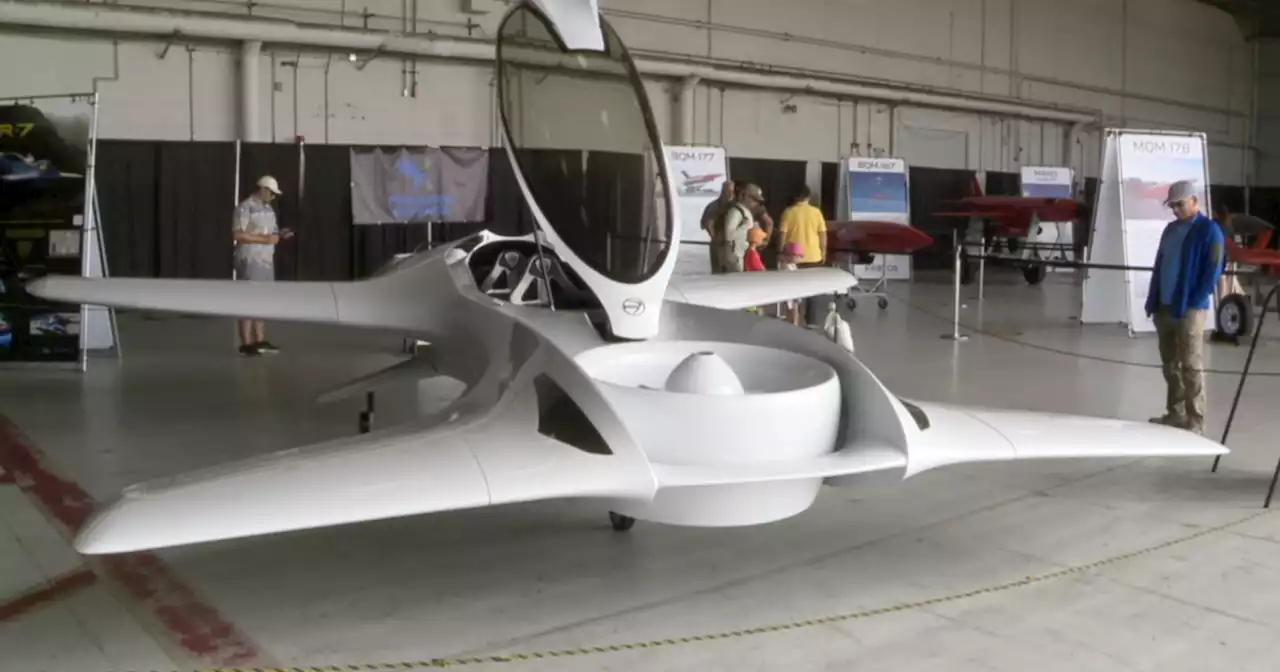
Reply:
x=704, y=373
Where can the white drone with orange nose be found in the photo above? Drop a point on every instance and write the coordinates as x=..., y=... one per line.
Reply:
x=589, y=371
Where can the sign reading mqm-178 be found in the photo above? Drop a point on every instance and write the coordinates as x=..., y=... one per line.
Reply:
x=565, y=378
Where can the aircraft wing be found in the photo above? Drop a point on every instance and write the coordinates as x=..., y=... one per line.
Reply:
x=952, y=434
x=456, y=463
x=736, y=291
x=304, y=301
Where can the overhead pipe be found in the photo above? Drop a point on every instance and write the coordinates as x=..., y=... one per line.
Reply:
x=114, y=20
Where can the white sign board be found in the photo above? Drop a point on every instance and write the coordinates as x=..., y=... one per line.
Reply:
x=1138, y=168
x=1051, y=182
x=699, y=174
x=877, y=189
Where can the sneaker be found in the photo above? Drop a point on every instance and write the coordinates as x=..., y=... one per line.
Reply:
x=265, y=346
x=1170, y=421
x=249, y=350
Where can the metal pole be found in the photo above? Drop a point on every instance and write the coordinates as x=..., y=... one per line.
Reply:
x=955, y=334
x=982, y=270
x=1244, y=375
x=89, y=222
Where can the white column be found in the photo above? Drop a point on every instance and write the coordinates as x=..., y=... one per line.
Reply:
x=250, y=51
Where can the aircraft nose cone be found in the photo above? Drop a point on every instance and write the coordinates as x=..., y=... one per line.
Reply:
x=704, y=373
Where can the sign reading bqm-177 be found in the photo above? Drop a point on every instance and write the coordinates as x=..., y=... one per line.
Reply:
x=420, y=184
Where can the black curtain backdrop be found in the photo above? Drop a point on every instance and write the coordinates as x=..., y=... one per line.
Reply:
x=931, y=189
x=830, y=190
x=1003, y=184
x=128, y=196
x=324, y=240
x=167, y=206
x=780, y=180
x=194, y=207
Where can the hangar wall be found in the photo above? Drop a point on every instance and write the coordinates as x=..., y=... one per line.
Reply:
x=1268, y=128
x=1140, y=63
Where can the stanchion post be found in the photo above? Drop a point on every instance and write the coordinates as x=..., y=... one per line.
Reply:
x=955, y=334
x=982, y=270
x=1244, y=375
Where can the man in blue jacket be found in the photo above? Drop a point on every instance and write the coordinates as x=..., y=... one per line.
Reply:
x=1187, y=267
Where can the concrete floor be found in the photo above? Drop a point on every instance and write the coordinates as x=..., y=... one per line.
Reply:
x=553, y=576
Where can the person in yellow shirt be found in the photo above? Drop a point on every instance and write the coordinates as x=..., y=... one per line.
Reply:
x=805, y=226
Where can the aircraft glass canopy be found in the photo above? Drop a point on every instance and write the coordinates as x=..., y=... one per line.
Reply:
x=586, y=145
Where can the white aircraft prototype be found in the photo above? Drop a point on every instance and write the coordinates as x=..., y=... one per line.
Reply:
x=589, y=371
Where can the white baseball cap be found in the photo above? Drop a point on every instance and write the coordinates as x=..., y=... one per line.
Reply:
x=1180, y=191
x=270, y=183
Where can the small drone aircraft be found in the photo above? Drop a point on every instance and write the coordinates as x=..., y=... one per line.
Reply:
x=1016, y=220
x=860, y=241
x=590, y=371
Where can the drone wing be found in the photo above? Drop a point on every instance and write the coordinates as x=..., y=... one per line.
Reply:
x=305, y=301
x=949, y=434
x=461, y=461
x=735, y=291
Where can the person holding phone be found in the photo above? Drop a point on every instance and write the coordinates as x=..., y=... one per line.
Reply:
x=256, y=234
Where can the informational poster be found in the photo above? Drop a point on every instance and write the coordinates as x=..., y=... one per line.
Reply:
x=699, y=174
x=878, y=190
x=1053, y=238
x=418, y=185
x=43, y=159
x=1138, y=169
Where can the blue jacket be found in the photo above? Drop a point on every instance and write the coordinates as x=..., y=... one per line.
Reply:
x=1203, y=259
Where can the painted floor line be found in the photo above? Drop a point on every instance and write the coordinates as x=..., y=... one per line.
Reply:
x=183, y=624
x=46, y=593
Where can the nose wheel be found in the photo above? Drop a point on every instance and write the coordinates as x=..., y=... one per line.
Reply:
x=620, y=522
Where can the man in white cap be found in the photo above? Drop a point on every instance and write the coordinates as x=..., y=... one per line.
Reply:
x=1188, y=265
x=256, y=234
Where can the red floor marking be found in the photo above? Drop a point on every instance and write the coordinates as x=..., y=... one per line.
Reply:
x=194, y=625
x=47, y=592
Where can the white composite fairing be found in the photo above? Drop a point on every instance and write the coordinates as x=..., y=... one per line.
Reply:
x=588, y=371
x=735, y=291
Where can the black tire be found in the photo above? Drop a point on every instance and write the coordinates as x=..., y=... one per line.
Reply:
x=883, y=303
x=1035, y=274
x=1235, y=316
x=620, y=522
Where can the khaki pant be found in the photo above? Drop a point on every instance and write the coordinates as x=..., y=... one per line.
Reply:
x=1182, y=357
x=731, y=255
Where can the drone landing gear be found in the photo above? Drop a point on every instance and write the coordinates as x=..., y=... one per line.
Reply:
x=1235, y=319
x=620, y=522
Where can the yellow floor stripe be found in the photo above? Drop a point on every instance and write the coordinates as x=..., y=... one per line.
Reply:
x=760, y=630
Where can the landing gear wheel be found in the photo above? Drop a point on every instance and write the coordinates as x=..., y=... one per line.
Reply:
x=883, y=303
x=851, y=303
x=620, y=522
x=1235, y=317
x=1034, y=274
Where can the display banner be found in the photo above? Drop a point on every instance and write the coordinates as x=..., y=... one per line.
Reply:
x=878, y=190
x=1138, y=168
x=699, y=174
x=1051, y=182
x=43, y=159
x=418, y=185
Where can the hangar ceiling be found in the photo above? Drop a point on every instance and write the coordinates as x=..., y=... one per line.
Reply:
x=1257, y=18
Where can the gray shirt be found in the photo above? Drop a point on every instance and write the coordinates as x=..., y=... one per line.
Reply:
x=258, y=218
